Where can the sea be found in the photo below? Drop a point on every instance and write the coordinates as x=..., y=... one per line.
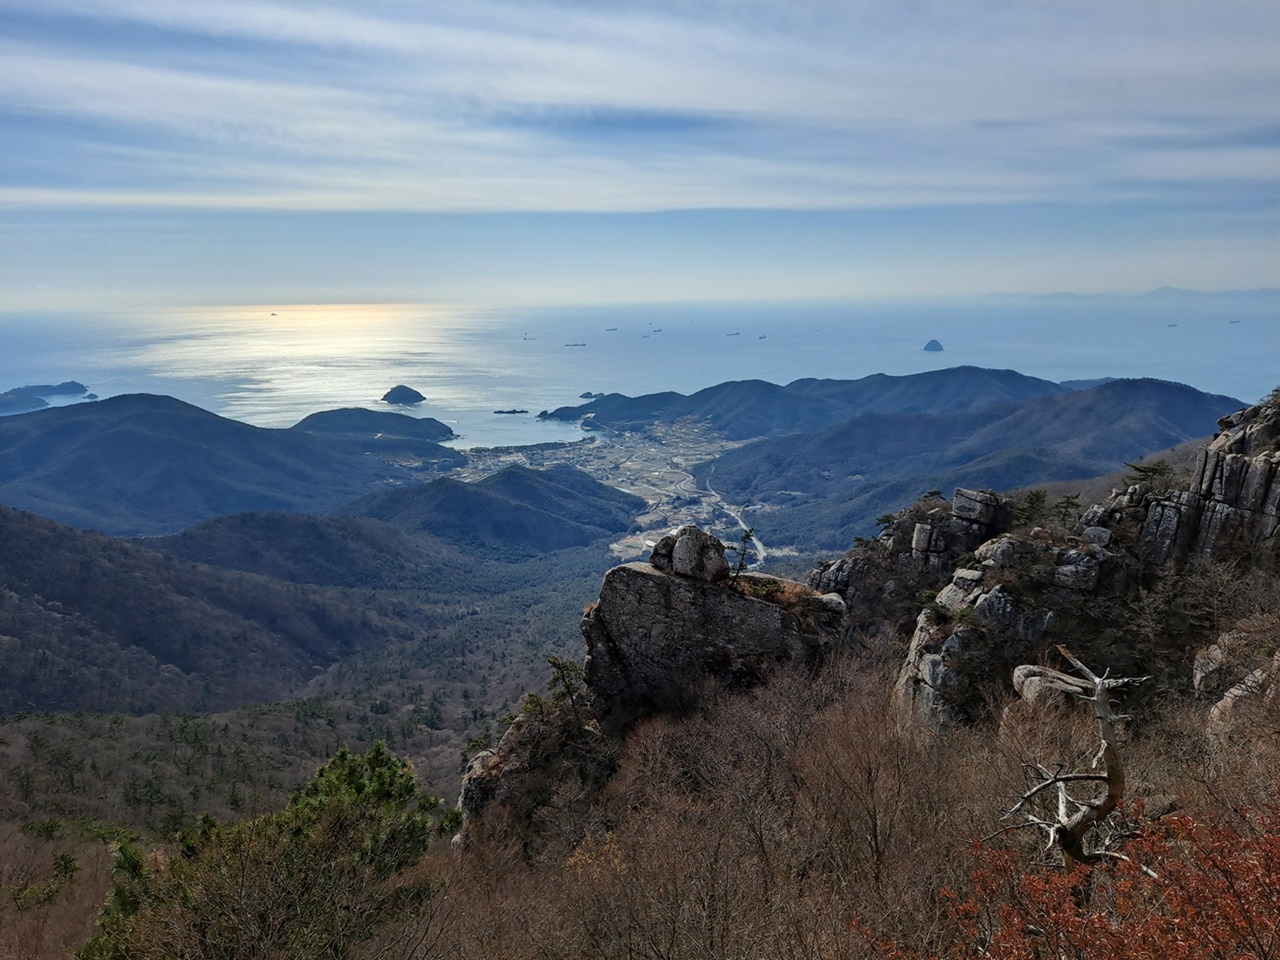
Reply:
x=272, y=364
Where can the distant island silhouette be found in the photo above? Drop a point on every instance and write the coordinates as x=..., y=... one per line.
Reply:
x=403, y=395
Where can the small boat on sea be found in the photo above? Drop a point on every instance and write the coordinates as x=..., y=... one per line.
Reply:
x=733, y=334
x=763, y=336
x=575, y=344
x=610, y=329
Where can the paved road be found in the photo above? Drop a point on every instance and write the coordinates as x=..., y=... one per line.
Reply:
x=756, y=542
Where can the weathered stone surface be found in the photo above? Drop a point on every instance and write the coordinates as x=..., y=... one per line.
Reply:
x=1220, y=665
x=1004, y=551
x=654, y=638
x=832, y=577
x=979, y=506
x=1096, y=535
x=1233, y=505
x=1078, y=572
x=1240, y=705
x=833, y=602
x=922, y=684
x=690, y=552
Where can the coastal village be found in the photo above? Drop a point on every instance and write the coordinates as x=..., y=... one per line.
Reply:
x=653, y=463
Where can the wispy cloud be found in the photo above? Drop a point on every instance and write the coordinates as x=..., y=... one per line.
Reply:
x=618, y=107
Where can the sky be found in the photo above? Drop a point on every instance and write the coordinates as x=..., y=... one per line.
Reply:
x=156, y=152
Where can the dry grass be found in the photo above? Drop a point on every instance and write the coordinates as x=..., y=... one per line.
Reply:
x=788, y=594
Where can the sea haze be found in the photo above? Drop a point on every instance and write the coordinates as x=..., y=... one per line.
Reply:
x=272, y=365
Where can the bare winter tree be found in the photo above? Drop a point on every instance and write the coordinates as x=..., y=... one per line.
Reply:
x=1069, y=828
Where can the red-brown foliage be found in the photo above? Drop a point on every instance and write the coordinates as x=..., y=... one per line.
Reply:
x=1215, y=896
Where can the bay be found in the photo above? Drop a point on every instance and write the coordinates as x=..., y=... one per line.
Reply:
x=273, y=364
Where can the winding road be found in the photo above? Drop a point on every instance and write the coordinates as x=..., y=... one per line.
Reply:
x=756, y=542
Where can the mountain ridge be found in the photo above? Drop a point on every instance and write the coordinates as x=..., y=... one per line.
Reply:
x=152, y=465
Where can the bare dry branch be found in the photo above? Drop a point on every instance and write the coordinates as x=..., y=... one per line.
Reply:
x=1075, y=818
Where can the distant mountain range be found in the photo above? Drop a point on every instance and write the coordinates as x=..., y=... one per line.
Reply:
x=828, y=457
x=218, y=616
x=143, y=464
x=747, y=409
x=820, y=489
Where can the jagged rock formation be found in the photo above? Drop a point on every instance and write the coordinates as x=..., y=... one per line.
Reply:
x=881, y=582
x=998, y=607
x=988, y=599
x=661, y=629
x=546, y=762
x=1233, y=504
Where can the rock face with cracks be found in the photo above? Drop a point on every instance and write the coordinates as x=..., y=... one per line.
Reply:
x=1232, y=506
x=662, y=629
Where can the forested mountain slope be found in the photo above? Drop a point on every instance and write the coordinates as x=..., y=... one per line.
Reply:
x=515, y=511
x=754, y=408
x=143, y=464
x=819, y=490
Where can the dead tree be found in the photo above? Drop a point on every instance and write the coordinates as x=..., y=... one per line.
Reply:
x=1069, y=829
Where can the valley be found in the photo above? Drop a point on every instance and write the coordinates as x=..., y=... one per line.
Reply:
x=347, y=582
x=654, y=462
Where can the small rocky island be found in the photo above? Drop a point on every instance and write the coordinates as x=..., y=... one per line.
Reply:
x=402, y=395
x=511, y=411
x=933, y=346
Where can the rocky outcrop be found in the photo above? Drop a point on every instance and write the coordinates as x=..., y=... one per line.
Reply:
x=1243, y=706
x=689, y=552
x=660, y=632
x=662, y=629
x=994, y=612
x=996, y=608
x=926, y=538
x=945, y=533
x=1231, y=507
x=546, y=762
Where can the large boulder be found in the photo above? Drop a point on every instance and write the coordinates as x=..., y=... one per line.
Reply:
x=655, y=638
x=690, y=552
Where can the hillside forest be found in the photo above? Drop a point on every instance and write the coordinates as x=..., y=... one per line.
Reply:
x=1028, y=709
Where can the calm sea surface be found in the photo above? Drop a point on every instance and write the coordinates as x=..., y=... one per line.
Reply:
x=272, y=365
